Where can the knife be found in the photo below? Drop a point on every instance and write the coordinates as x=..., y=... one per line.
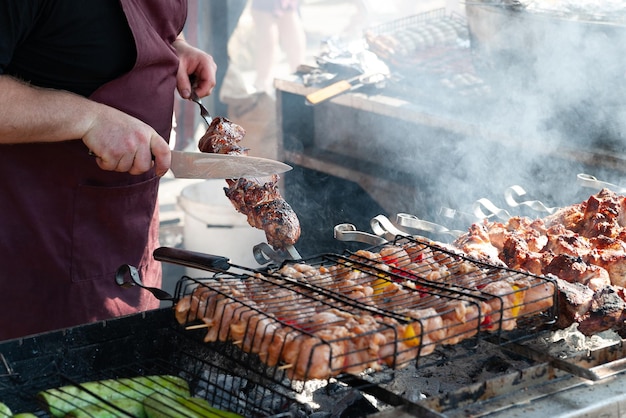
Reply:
x=202, y=165
x=343, y=86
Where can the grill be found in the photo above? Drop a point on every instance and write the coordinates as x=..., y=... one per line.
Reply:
x=355, y=313
x=536, y=46
x=423, y=298
x=407, y=154
x=223, y=341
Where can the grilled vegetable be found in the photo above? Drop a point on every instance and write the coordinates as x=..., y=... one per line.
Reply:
x=159, y=405
x=202, y=407
x=5, y=411
x=60, y=401
x=111, y=409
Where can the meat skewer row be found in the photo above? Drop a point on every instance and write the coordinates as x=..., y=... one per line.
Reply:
x=250, y=319
x=319, y=345
x=584, y=245
x=481, y=304
x=262, y=203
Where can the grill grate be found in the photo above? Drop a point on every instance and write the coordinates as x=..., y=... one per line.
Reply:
x=430, y=56
x=429, y=44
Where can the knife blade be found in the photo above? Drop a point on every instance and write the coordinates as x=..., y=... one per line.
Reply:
x=200, y=165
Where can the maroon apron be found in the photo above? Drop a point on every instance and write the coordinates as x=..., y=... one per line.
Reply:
x=66, y=225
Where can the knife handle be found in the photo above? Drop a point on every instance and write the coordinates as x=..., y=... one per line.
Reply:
x=192, y=259
x=328, y=92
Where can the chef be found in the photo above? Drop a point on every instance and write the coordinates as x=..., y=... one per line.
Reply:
x=86, y=101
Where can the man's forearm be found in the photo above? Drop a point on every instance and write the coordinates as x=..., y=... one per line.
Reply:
x=32, y=114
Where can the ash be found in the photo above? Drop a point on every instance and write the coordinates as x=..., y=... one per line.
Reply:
x=335, y=399
x=317, y=398
x=450, y=368
x=447, y=369
x=570, y=342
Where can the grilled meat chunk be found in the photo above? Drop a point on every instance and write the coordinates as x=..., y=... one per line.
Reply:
x=262, y=203
x=244, y=193
x=610, y=254
x=584, y=245
x=223, y=137
x=574, y=302
x=279, y=221
x=477, y=244
x=575, y=270
x=607, y=311
x=265, y=209
x=594, y=311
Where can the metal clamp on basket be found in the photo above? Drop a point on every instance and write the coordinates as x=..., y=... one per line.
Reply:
x=413, y=222
x=264, y=254
x=348, y=233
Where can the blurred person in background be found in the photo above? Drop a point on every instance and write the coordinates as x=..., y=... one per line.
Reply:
x=86, y=102
x=277, y=24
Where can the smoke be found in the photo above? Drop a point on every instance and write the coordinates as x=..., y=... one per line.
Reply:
x=554, y=102
x=557, y=90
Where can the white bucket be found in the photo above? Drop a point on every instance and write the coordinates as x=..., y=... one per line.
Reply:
x=213, y=226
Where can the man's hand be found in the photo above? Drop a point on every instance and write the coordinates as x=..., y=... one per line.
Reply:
x=196, y=64
x=123, y=143
x=119, y=141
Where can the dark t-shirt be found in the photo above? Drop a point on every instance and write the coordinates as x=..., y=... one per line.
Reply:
x=75, y=45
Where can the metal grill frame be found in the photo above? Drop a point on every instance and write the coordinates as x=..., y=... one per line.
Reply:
x=144, y=344
x=315, y=297
x=422, y=62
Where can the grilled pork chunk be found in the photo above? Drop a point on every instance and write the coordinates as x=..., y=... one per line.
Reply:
x=584, y=245
x=262, y=204
x=223, y=137
x=266, y=210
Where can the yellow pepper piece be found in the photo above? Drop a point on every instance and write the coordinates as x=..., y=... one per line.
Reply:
x=379, y=285
x=518, y=299
x=409, y=335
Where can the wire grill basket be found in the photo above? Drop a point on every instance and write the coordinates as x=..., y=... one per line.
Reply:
x=142, y=345
x=430, y=55
x=359, y=312
x=431, y=42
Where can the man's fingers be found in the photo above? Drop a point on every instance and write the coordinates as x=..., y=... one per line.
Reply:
x=161, y=154
x=183, y=83
x=129, y=163
x=141, y=163
x=134, y=147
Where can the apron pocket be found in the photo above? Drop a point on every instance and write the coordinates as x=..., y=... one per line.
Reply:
x=111, y=227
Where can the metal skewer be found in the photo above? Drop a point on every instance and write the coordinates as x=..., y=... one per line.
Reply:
x=203, y=110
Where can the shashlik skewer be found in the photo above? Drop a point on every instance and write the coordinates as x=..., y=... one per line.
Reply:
x=320, y=345
x=323, y=342
x=500, y=302
x=584, y=245
x=262, y=203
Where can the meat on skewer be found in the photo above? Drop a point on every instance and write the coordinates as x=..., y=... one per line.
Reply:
x=312, y=340
x=262, y=203
x=265, y=209
x=584, y=245
x=223, y=137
